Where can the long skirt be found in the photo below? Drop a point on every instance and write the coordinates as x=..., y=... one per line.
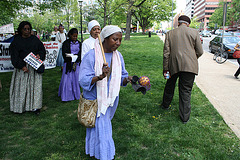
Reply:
x=25, y=90
x=69, y=88
x=60, y=60
x=99, y=141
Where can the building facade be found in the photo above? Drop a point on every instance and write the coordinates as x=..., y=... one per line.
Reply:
x=189, y=11
x=202, y=10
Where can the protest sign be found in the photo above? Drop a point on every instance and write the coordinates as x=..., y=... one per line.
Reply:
x=7, y=29
x=33, y=61
x=52, y=50
x=5, y=59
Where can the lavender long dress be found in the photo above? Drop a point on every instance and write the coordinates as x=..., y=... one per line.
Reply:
x=69, y=88
x=99, y=141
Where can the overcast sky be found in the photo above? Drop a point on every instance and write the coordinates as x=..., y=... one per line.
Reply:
x=181, y=4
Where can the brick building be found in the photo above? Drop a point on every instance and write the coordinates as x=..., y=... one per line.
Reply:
x=202, y=10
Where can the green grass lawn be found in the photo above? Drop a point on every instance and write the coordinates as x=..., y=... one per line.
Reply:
x=141, y=130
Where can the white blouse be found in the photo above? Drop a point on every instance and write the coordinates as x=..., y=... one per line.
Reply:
x=87, y=45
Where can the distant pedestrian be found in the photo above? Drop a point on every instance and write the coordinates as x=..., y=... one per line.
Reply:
x=238, y=60
x=34, y=32
x=181, y=51
x=2, y=38
x=54, y=33
x=47, y=35
x=94, y=29
x=43, y=36
x=60, y=37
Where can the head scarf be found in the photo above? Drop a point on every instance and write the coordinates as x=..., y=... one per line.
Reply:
x=184, y=19
x=92, y=24
x=108, y=31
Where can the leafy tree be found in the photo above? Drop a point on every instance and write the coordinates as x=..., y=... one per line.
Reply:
x=54, y=4
x=235, y=11
x=69, y=13
x=39, y=22
x=11, y=8
x=194, y=23
x=90, y=12
x=217, y=16
x=106, y=9
x=153, y=10
x=235, y=7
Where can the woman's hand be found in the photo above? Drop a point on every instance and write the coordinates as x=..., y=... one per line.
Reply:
x=237, y=47
x=165, y=74
x=127, y=79
x=105, y=70
x=38, y=56
x=25, y=69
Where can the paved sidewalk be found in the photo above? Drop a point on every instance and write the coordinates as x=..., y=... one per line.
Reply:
x=221, y=88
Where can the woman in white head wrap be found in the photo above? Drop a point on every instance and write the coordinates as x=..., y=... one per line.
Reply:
x=98, y=83
x=94, y=29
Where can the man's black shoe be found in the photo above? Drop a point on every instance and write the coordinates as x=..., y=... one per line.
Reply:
x=185, y=122
x=163, y=107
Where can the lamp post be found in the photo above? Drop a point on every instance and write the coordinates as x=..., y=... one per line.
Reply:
x=172, y=14
x=80, y=6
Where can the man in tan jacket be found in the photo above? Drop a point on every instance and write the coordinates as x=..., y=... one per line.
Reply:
x=181, y=51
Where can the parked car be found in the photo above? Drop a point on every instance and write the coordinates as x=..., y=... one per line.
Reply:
x=217, y=31
x=229, y=42
x=201, y=38
x=205, y=34
x=225, y=33
x=236, y=34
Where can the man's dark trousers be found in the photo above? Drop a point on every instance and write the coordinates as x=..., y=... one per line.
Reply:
x=185, y=84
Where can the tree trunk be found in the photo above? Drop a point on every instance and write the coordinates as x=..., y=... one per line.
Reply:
x=105, y=13
x=128, y=25
x=68, y=22
x=143, y=29
x=128, y=22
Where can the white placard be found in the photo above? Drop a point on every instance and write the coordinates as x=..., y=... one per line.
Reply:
x=33, y=61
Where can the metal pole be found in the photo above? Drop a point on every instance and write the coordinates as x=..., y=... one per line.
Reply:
x=80, y=6
x=172, y=14
x=81, y=25
x=224, y=21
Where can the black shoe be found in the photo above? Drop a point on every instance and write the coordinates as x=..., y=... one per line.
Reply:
x=236, y=77
x=37, y=111
x=185, y=122
x=165, y=108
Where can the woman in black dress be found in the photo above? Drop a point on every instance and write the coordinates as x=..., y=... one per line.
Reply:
x=26, y=83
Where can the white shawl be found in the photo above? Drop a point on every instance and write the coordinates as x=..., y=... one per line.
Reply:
x=104, y=100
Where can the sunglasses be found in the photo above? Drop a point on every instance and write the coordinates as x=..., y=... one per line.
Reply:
x=26, y=29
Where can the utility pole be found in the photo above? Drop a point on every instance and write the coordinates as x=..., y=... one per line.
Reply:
x=172, y=14
x=224, y=21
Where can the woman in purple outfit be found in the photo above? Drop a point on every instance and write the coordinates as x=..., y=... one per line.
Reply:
x=102, y=82
x=69, y=88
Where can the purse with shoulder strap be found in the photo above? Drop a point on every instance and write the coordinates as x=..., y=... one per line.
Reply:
x=87, y=112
